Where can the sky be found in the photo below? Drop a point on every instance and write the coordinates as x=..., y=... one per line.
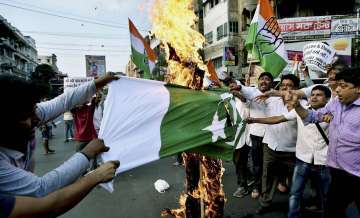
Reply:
x=71, y=40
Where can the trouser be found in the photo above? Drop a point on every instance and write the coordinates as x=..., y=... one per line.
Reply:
x=69, y=129
x=273, y=161
x=344, y=189
x=257, y=147
x=240, y=159
x=302, y=172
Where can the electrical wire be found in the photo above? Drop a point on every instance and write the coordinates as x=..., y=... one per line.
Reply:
x=64, y=17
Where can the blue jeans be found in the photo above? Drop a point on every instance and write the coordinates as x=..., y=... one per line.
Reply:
x=301, y=174
x=69, y=129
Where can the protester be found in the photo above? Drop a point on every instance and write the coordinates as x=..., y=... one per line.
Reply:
x=58, y=202
x=241, y=153
x=68, y=120
x=311, y=151
x=344, y=140
x=45, y=133
x=98, y=111
x=23, y=114
x=84, y=124
x=280, y=140
x=257, y=131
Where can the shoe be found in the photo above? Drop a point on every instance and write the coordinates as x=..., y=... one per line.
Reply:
x=282, y=188
x=250, y=182
x=66, y=140
x=240, y=192
x=261, y=210
x=255, y=193
x=176, y=164
x=49, y=152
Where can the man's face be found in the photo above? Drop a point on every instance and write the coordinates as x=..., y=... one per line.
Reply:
x=287, y=85
x=347, y=92
x=23, y=130
x=318, y=99
x=264, y=83
x=331, y=78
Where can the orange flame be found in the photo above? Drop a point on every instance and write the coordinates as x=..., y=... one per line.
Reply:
x=173, y=23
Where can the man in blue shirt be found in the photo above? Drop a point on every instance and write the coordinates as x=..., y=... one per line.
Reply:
x=21, y=114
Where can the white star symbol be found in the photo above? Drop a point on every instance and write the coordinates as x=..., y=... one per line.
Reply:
x=216, y=128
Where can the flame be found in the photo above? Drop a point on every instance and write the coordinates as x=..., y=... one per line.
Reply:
x=173, y=23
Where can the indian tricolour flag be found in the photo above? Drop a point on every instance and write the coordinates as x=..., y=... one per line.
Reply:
x=264, y=41
x=141, y=53
x=145, y=120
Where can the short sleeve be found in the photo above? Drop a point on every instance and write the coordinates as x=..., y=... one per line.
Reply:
x=7, y=203
x=291, y=115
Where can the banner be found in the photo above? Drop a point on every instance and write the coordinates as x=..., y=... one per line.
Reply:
x=342, y=47
x=229, y=56
x=343, y=26
x=317, y=55
x=95, y=65
x=72, y=82
x=305, y=27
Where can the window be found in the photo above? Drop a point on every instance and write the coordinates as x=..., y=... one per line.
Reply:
x=209, y=37
x=221, y=31
x=233, y=27
x=213, y=3
x=217, y=62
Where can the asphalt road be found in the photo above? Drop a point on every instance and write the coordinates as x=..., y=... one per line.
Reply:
x=135, y=195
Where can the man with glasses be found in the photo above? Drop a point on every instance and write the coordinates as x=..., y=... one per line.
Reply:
x=344, y=140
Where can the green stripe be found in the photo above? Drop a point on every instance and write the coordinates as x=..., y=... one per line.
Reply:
x=141, y=61
x=189, y=112
x=272, y=62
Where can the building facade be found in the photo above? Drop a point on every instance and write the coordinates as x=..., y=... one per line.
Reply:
x=18, y=54
x=226, y=24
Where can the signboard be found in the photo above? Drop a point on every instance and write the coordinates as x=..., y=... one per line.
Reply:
x=72, y=82
x=305, y=27
x=342, y=46
x=344, y=26
x=317, y=55
x=229, y=56
x=95, y=65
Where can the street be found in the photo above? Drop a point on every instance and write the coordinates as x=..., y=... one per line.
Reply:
x=135, y=195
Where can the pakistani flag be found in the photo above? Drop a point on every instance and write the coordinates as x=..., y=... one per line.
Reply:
x=145, y=120
x=141, y=53
x=264, y=41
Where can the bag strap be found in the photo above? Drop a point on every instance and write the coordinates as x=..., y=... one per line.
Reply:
x=322, y=133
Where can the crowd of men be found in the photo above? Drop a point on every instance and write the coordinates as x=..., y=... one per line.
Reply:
x=303, y=135
x=293, y=136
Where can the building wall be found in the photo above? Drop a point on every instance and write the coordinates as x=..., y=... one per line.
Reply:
x=18, y=54
x=216, y=14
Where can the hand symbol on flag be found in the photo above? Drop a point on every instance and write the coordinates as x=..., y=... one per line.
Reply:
x=268, y=39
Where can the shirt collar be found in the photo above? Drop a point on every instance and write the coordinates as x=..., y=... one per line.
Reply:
x=357, y=102
x=16, y=155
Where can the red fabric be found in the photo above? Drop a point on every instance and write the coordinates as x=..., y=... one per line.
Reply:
x=84, y=125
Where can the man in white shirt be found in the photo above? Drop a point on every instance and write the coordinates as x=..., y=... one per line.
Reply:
x=280, y=140
x=311, y=151
x=256, y=130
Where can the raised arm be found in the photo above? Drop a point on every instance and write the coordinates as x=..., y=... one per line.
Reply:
x=267, y=120
x=49, y=110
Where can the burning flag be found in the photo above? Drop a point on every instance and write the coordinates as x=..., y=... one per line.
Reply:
x=264, y=41
x=141, y=53
x=147, y=120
